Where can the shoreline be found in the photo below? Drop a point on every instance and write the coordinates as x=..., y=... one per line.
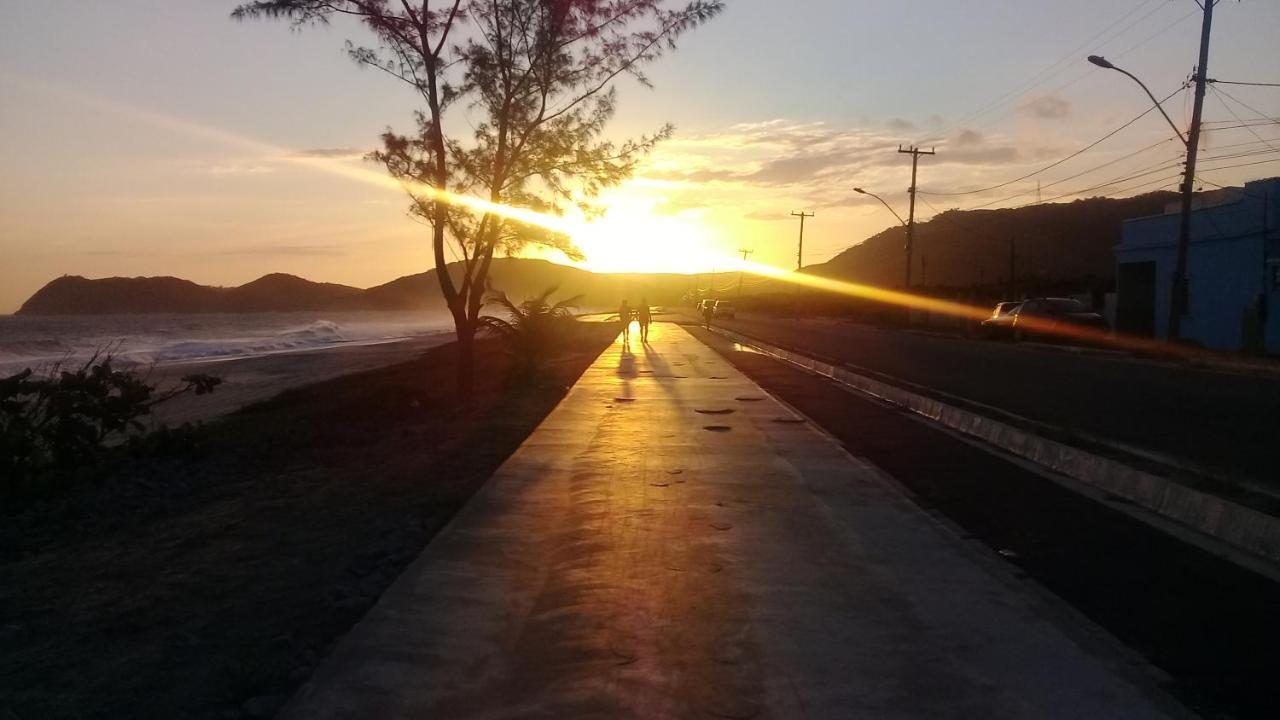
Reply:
x=250, y=379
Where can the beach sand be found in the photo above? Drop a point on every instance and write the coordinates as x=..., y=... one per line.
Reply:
x=205, y=575
x=246, y=380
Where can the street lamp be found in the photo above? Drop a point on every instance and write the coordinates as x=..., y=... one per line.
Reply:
x=906, y=246
x=1105, y=63
x=882, y=202
x=1178, y=289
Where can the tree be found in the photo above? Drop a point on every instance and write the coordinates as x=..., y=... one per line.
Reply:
x=539, y=75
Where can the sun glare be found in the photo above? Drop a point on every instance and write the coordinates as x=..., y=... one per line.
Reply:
x=634, y=235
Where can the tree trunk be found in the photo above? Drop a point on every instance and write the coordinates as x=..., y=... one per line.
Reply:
x=466, y=363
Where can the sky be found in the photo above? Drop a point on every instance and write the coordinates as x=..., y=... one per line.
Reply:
x=160, y=137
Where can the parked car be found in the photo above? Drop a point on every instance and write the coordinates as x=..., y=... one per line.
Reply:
x=1057, y=318
x=724, y=309
x=1000, y=324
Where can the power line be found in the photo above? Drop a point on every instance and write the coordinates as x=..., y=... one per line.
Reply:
x=1054, y=164
x=1238, y=155
x=1240, y=165
x=1035, y=80
x=1122, y=53
x=1079, y=174
x=1076, y=193
x=1239, y=144
x=1248, y=107
x=1232, y=82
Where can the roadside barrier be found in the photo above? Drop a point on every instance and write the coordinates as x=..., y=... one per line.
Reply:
x=1239, y=526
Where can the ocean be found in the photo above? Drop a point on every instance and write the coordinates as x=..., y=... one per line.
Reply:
x=46, y=342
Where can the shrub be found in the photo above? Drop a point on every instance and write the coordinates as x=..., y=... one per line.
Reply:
x=51, y=427
x=535, y=330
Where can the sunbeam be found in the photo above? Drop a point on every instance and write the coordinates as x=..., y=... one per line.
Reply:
x=420, y=191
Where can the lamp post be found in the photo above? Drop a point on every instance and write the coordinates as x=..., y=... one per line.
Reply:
x=906, y=247
x=882, y=202
x=1105, y=63
x=1178, y=290
x=905, y=224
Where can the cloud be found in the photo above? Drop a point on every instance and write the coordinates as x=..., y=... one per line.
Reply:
x=339, y=153
x=786, y=171
x=678, y=204
x=851, y=200
x=285, y=250
x=767, y=216
x=968, y=136
x=701, y=175
x=996, y=155
x=1047, y=107
x=900, y=125
x=757, y=170
x=240, y=169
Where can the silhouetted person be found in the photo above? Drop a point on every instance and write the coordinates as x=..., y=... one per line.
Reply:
x=708, y=311
x=644, y=317
x=624, y=317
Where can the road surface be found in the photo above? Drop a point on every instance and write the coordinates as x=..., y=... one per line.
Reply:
x=1225, y=423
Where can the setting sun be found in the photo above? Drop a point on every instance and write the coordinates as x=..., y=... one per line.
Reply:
x=635, y=235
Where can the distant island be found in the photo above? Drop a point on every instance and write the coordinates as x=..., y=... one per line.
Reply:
x=1063, y=242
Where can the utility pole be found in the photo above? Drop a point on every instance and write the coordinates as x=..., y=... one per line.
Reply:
x=1178, y=300
x=915, y=154
x=800, y=250
x=745, y=253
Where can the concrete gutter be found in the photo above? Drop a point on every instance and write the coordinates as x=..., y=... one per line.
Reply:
x=1230, y=522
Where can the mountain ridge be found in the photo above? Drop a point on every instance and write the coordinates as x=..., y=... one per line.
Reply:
x=282, y=292
x=1056, y=242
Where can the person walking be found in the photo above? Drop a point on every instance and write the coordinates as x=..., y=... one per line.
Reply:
x=624, y=317
x=708, y=311
x=644, y=316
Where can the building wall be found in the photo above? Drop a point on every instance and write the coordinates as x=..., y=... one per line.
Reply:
x=1226, y=263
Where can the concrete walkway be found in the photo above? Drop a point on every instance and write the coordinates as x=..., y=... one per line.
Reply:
x=673, y=543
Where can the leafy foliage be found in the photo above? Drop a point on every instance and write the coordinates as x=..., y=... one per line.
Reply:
x=534, y=330
x=52, y=427
x=538, y=76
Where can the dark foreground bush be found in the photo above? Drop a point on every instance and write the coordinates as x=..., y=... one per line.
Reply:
x=54, y=427
x=535, y=331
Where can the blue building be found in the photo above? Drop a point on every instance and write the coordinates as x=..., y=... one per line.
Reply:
x=1233, y=270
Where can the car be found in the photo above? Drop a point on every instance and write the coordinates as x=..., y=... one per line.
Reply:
x=1058, y=318
x=723, y=309
x=1000, y=324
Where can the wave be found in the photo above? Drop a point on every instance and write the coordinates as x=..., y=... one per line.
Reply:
x=47, y=348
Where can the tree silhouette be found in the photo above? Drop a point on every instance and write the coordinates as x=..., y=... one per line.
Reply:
x=539, y=76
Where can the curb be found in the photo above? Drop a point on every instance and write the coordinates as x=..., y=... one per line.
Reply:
x=1230, y=522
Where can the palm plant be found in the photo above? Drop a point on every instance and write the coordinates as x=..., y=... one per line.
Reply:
x=534, y=330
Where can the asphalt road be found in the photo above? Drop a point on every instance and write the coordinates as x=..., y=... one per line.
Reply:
x=1206, y=622
x=1225, y=423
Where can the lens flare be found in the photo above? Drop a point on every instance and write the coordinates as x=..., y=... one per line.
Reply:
x=972, y=313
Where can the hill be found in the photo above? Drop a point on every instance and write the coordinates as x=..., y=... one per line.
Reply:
x=1053, y=242
x=277, y=292
x=75, y=295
